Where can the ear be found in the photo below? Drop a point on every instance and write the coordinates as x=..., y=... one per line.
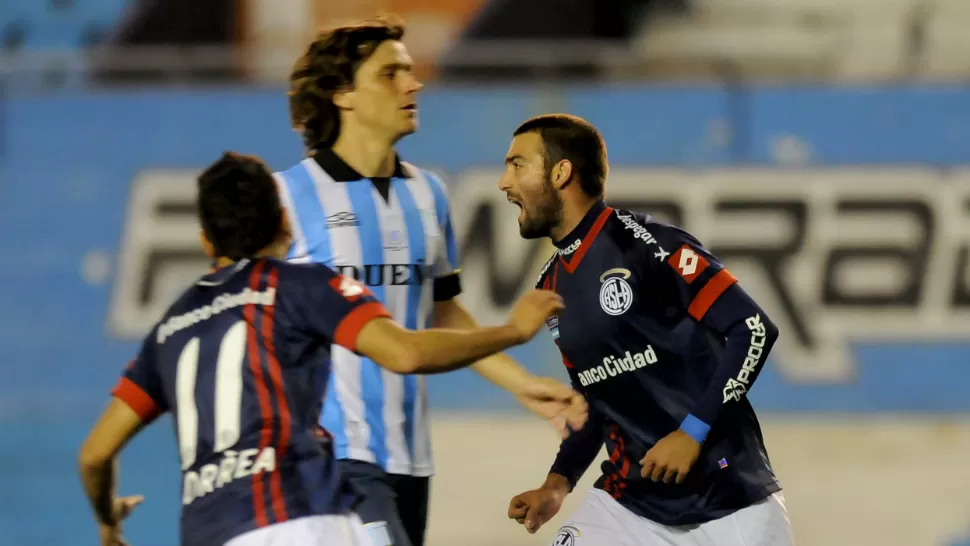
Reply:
x=344, y=99
x=561, y=174
x=207, y=246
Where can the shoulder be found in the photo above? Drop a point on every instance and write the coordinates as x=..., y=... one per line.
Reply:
x=293, y=183
x=434, y=182
x=545, y=270
x=311, y=272
x=644, y=235
x=291, y=174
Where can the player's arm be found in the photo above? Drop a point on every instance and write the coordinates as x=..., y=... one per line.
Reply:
x=576, y=453
x=347, y=313
x=449, y=313
x=136, y=402
x=98, y=464
x=499, y=368
x=438, y=350
x=543, y=396
x=711, y=295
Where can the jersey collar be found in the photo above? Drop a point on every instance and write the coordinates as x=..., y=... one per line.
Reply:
x=573, y=247
x=340, y=171
x=223, y=274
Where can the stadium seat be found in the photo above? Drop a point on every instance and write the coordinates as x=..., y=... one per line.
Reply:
x=50, y=26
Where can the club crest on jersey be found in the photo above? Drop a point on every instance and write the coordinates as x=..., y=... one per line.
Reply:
x=616, y=295
x=567, y=536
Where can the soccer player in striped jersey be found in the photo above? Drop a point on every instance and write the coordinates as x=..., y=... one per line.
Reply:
x=664, y=343
x=241, y=360
x=361, y=210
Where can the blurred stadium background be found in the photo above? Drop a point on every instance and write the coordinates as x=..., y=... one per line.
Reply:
x=819, y=146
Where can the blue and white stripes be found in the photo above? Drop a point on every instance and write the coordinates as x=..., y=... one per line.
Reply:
x=373, y=414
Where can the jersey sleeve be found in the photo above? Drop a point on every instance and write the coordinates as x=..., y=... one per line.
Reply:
x=578, y=450
x=140, y=386
x=710, y=295
x=445, y=268
x=334, y=306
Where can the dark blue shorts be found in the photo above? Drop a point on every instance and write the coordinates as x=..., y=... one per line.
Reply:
x=399, y=500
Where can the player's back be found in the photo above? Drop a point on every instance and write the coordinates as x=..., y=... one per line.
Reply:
x=242, y=361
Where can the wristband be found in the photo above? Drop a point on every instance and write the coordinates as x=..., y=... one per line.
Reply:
x=695, y=428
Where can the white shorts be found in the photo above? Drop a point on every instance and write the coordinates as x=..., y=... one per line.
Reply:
x=602, y=521
x=310, y=531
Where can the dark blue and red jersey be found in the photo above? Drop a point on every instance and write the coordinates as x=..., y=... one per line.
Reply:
x=241, y=360
x=658, y=335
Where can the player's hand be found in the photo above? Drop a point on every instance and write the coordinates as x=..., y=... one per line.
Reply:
x=559, y=404
x=532, y=310
x=534, y=508
x=671, y=458
x=111, y=535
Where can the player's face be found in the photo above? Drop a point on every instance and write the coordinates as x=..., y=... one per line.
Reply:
x=384, y=97
x=527, y=184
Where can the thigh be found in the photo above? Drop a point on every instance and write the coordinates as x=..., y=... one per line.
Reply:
x=598, y=522
x=412, y=505
x=764, y=523
x=378, y=508
x=307, y=531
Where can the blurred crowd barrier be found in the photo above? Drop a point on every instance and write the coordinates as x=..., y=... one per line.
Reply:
x=61, y=43
x=846, y=211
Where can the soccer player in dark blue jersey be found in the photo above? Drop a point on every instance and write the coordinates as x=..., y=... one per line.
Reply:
x=664, y=343
x=241, y=360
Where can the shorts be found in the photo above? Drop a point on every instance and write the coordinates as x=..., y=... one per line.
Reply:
x=342, y=530
x=393, y=504
x=601, y=521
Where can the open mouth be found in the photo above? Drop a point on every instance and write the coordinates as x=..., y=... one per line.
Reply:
x=410, y=108
x=514, y=201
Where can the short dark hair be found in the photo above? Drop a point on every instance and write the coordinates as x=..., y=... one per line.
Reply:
x=327, y=66
x=570, y=137
x=239, y=207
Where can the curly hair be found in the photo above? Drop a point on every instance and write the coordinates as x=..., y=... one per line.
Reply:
x=328, y=66
x=239, y=207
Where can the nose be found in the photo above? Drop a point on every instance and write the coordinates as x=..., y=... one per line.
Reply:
x=414, y=85
x=503, y=183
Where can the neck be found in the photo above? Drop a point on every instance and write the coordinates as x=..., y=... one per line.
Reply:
x=269, y=252
x=573, y=212
x=367, y=153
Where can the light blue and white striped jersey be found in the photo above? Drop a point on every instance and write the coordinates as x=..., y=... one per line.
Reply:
x=397, y=247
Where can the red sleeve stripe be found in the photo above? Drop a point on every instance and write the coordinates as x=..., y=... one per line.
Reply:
x=351, y=325
x=136, y=398
x=704, y=299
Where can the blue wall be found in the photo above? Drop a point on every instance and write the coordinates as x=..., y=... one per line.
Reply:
x=66, y=163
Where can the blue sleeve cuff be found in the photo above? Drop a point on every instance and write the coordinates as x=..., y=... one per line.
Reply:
x=695, y=428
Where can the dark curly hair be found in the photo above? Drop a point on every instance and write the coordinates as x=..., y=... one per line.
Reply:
x=327, y=66
x=239, y=207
